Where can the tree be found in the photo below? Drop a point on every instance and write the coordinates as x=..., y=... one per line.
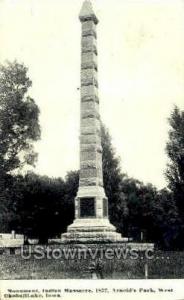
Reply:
x=71, y=187
x=19, y=125
x=175, y=151
x=7, y=207
x=166, y=221
x=19, y=128
x=175, y=167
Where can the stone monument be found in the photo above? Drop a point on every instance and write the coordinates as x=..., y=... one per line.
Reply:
x=91, y=222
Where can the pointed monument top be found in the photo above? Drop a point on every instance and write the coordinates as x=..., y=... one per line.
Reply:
x=87, y=12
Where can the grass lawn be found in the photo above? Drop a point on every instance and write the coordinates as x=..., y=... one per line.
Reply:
x=164, y=265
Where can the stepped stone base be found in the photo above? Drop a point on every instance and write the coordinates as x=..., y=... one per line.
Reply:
x=138, y=246
x=92, y=230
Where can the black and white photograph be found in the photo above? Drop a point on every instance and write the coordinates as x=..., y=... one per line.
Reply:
x=91, y=147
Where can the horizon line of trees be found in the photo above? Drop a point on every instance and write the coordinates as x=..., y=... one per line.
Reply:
x=41, y=207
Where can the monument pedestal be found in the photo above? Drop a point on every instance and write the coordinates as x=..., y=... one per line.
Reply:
x=91, y=222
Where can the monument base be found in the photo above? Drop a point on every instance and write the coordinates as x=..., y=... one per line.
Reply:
x=90, y=231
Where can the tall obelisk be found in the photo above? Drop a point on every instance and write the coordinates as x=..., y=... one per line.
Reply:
x=91, y=222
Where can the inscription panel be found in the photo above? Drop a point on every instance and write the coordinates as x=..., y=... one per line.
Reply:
x=87, y=207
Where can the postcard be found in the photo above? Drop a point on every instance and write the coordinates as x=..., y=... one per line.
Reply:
x=91, y=149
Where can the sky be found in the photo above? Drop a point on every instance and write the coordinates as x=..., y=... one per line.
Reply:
x=141, y=76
